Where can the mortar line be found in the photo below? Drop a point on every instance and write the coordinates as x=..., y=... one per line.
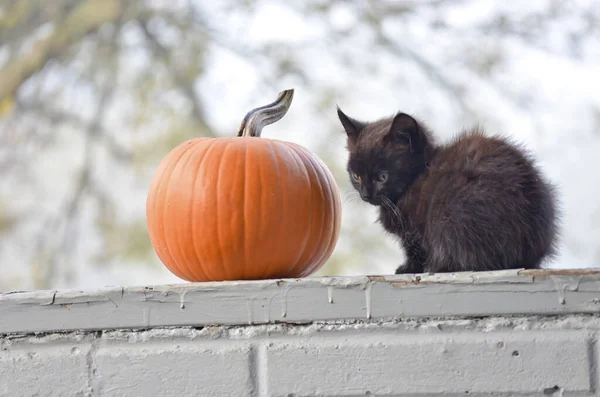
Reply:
x=593, y=363
x=260, y=370
x=92, y=368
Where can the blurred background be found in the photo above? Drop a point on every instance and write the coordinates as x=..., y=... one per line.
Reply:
x=93, y=93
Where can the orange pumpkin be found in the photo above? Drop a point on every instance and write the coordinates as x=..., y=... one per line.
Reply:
x=243, y=207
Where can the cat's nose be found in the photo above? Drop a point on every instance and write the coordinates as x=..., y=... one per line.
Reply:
x=365, y=196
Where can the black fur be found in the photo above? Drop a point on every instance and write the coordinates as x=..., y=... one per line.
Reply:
x=477, y=203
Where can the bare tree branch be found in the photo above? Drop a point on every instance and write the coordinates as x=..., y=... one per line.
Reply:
x=56, y=118
x=433, y=73
x=184, y=85
x=83, y=19
x=67, y=215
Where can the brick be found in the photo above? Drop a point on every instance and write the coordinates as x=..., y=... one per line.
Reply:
x=169, y=369
x=514, y=363
x=44, y=370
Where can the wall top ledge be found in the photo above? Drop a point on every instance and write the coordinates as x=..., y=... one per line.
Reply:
x=481, y=294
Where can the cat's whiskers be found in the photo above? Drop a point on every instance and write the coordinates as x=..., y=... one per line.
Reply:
x=351, y=196
x=394, y=211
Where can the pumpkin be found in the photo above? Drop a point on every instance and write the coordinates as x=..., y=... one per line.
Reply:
x=243, y=207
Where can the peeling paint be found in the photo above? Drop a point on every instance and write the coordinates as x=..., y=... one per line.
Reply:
x=182, y=298
x=368, y=290
x=560, y=272
x=250, y=306
x=512, y=292
x=284, y=298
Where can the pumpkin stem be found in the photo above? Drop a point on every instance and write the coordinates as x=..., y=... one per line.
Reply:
x=258, y=118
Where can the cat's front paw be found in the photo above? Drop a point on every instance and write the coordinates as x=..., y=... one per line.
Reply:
x=405, y=269
x=410, y=267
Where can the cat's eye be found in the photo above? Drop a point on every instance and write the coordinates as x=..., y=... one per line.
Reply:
x=382, y=177
x=356, y=177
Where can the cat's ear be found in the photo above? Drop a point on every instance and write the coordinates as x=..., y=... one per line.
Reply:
x=351, y=126
x=406, y=129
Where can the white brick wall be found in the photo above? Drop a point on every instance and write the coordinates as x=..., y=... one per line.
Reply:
x=485, y=357
x=536, y=352
x=177, y=368
x=55, y=368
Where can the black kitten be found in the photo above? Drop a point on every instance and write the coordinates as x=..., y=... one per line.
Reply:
x=477, y=203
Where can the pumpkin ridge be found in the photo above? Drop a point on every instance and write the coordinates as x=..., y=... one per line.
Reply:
x=258, y=211
x=207, y=154
x=308, y=234
x=244, y=212
x=219, y=217
x=299, y=164
x=311, y=261
x=200, y=267
x=331, y=200
x=214, y=189
x=282, y=188
x=182, y=165
x=261, y=166
x=173, y=261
